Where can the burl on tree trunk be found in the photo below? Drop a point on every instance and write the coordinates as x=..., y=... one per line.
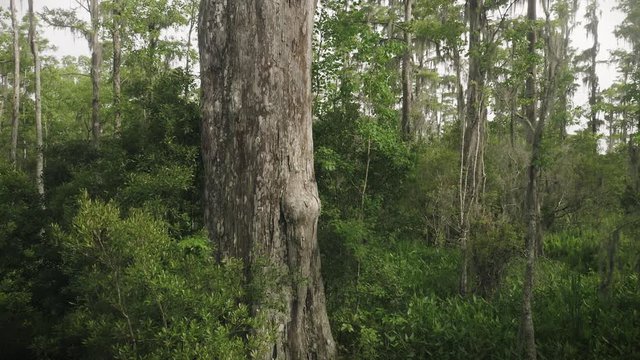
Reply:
x=261, y=197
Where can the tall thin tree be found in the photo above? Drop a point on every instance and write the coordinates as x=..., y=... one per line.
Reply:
x=261, y=199
x=473, y=134
x=193, y=18
x=116, y=34
x=591, y=78
x=96, y=61
x=566, y=18
x=33, y=37
x=406, y=72
x=533, y=207
x=4, y=91
x=15, y=116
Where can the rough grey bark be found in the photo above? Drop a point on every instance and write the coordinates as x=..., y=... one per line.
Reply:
x=117, y=60
x=472, y=142
x=261, y=201
x=96, y=61
x=406, y=73
x=533, y=207
x=15, y=116
x=38, y=101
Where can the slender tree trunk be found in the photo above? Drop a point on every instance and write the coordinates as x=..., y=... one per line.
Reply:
x=3, y=98
x=513, y=103
x=366, y=179
x=592, y=28
x=626, y=124
x=567, y=25
x=15, y=117
x=421, y=54
x=473, y=133
x=406, y=73
x=192, y=24
x=457, y=63
x=117, y=60
x=594, y=88
x=552, y=65
x=261, y=196
x=563, y=97
x=391, y=11
x=96, y=61
x=533, y=208
x=612, y=131
x=38, y=103
x=634, y=159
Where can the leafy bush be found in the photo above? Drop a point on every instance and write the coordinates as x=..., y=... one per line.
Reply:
x=21, y=219
x=494, y=245
x=140, y=294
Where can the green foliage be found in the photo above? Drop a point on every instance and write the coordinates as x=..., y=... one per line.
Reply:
x=453, y=328
x=494, y=246
x=155, y=163
x=140, y=294
x=369, y=311
x=572, y=320
x=580, y=252
x=356, y=135
x=22, y=219
x=403, y=304
x=426, y=208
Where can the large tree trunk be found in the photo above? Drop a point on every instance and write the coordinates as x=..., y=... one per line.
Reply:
x=261, y=196
x=117, y=60
x=96, y=61
x=533, y=208
x=15, y=117
x=38, y=103
x=406, y=74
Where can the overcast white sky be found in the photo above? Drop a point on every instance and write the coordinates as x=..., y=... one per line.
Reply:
x=67, y=44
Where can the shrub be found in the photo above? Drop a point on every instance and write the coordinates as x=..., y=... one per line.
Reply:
x=140, y=294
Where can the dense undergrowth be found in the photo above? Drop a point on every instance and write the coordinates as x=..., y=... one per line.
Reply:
x=403, y=304
x=122, y=269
